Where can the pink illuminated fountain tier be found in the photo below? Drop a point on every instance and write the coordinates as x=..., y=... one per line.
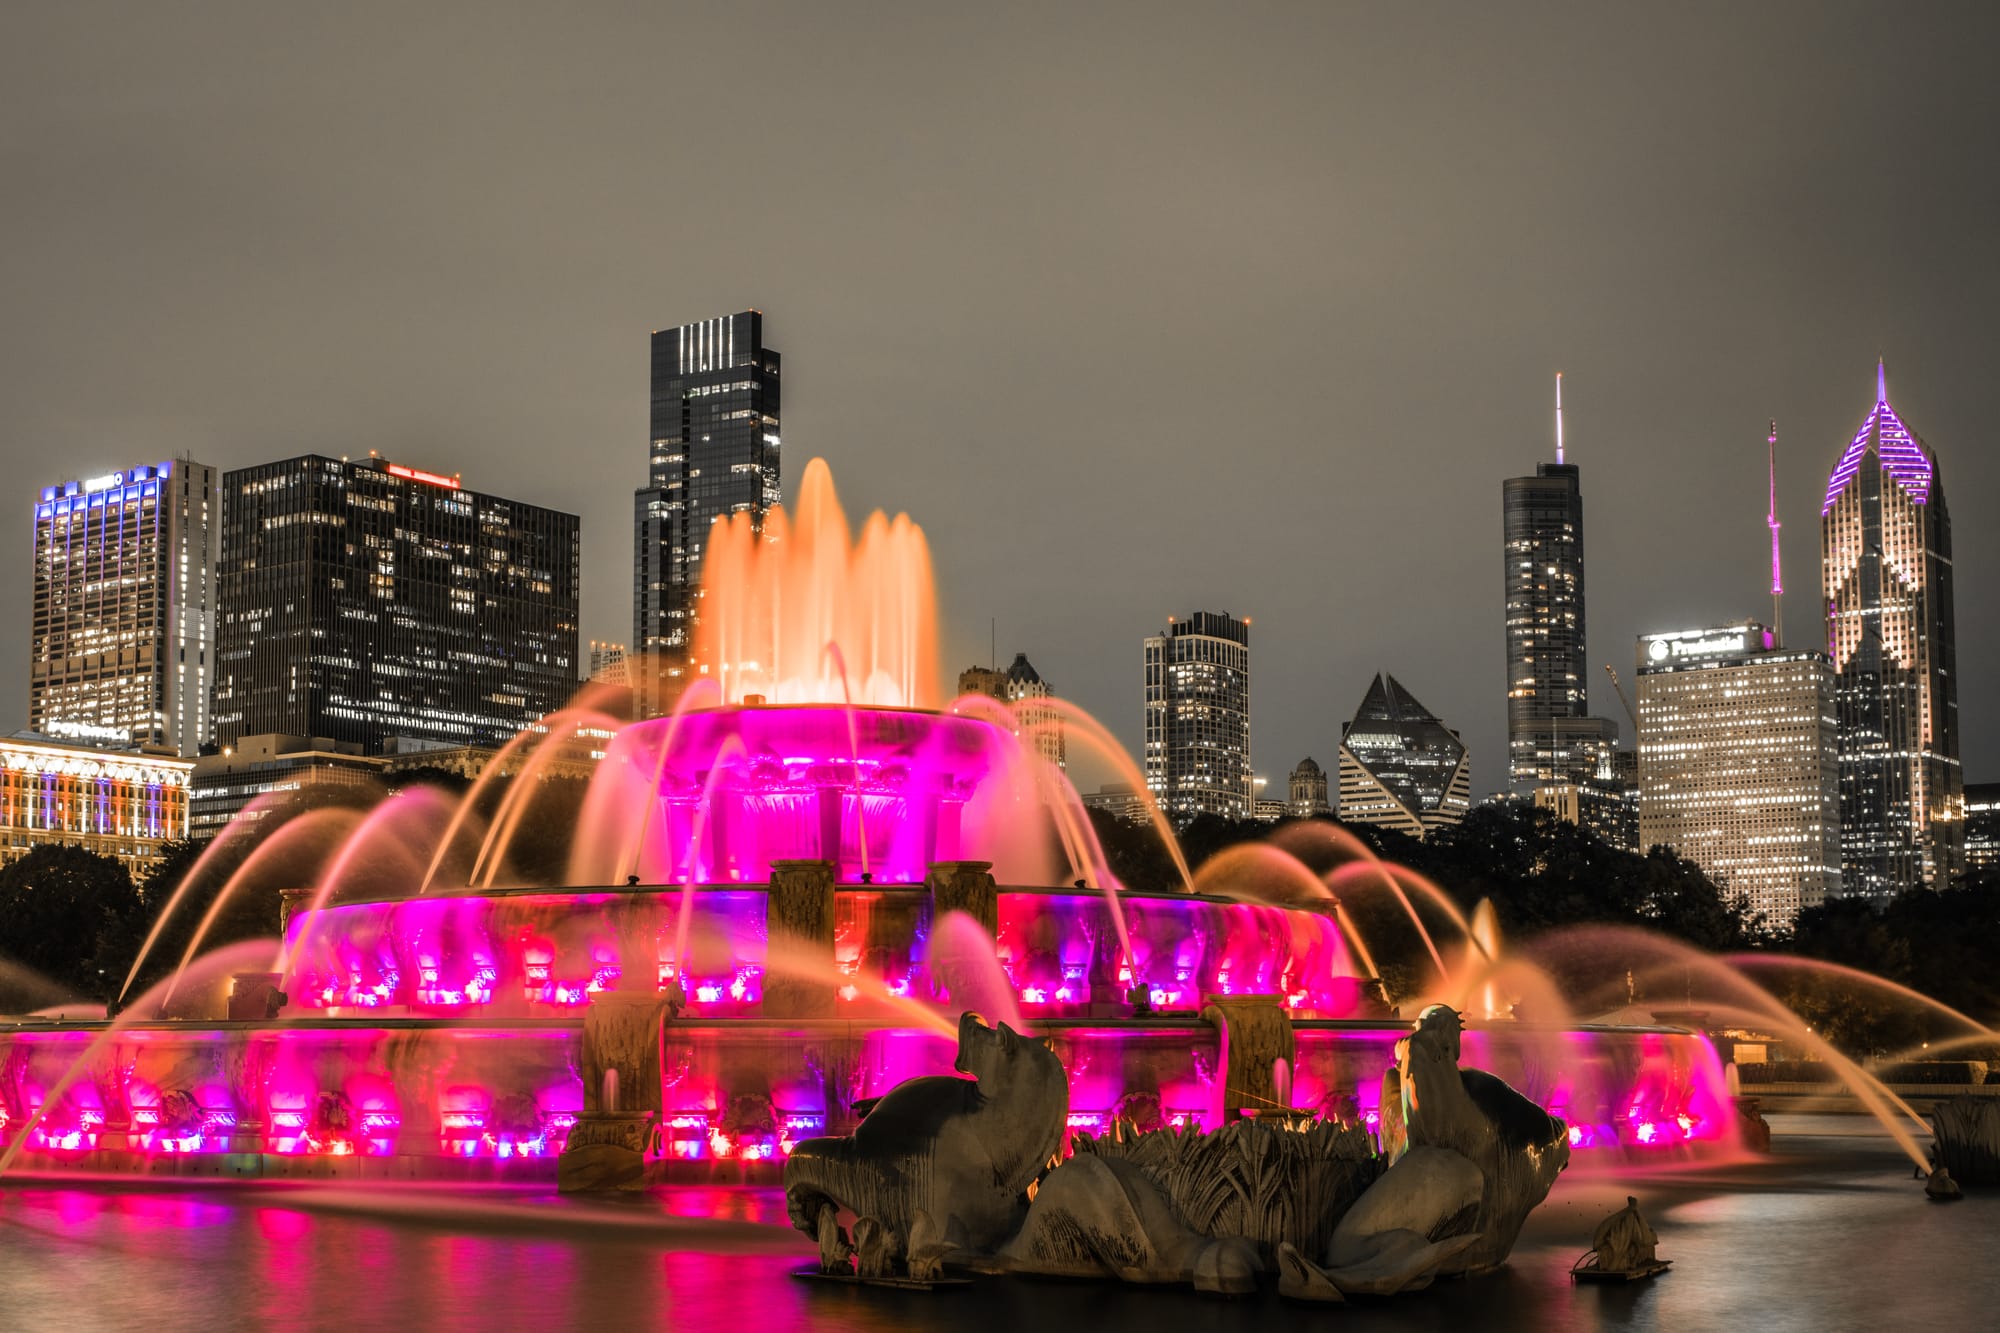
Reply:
x=777, y=906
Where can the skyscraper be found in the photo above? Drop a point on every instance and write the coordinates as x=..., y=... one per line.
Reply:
x=1739, y=765
x=1557, y=754
x=381, y=605
x=714, y=452
x=124, y=629
x=1019, y=685
x=1198, y=717
x=1400, y=766
x=1885, y=566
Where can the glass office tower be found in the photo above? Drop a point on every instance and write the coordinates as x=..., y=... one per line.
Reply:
x=377, y=604
x=124, y=628
x=715, y=450
x=1198, y=717
x=1400, y=766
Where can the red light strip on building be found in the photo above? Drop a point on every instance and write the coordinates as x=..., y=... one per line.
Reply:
x=417, y=474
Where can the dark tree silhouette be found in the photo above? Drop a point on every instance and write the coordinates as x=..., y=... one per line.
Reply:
x=58, y=904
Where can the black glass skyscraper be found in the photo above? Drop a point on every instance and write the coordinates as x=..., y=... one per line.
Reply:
x=370, y=602
x=1558, y=755
x=1551, y=737
x=715, y=452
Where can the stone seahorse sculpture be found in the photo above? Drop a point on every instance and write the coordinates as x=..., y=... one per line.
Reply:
x=960, y=1152
x=1518, y=1147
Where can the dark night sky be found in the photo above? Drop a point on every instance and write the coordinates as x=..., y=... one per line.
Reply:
x=1138, y=311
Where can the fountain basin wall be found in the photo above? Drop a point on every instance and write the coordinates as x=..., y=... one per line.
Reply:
x=529, y=952
x=722, y=793
x=452, y=1099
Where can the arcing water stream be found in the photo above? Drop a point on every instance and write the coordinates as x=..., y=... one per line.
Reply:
x=806, y=815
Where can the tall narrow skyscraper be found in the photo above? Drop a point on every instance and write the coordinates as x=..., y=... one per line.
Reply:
x=1552, y=741
x=714, y=452
x=1198, y=717
x=1885, y=565
x=124, y=632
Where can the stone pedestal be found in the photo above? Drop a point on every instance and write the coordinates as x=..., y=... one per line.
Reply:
x=1751, y=1124
x=800, y=922
x=965, y=886
x=255, y=997
x=606, y=1148
x=1254, y=1032
x=605, y=1152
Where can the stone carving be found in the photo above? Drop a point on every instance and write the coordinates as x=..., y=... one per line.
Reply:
x=964, y=886
x=800, y=916
x=961, y=1151
x=1271, y=1183
x=945, y=1167
x=1409, y=1226
x=1624, y=1243
x=1101, y=1217
x=1518, y=1147
x=1939, y=1187
x=1965, y=1139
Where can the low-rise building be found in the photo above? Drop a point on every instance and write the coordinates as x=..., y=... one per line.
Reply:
x=119, y=803
x=1982, y=825
x=227, y=783
x=1120, y=799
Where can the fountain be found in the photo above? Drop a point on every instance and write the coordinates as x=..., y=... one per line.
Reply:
x=779, y=898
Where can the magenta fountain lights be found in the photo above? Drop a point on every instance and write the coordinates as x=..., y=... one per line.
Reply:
x=449, y=1028
x=1902, y=457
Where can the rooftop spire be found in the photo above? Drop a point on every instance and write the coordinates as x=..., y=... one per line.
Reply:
x=1559, y=416
x=1881, y=382
x=1777, y=566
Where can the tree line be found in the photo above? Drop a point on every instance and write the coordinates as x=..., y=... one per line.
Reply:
x=71, y=922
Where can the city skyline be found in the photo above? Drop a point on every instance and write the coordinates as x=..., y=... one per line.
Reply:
x=934, y=367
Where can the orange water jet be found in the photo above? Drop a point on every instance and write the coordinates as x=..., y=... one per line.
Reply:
x=774, y=598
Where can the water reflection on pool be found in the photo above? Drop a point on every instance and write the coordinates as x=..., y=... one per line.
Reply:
x=1831, y=1233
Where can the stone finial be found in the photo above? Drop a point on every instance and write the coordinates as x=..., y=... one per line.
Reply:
x=965, y=886
x=800, y=917
x=1255, y=1034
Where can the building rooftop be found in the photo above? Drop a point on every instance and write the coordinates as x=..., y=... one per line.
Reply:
x=1903, y=456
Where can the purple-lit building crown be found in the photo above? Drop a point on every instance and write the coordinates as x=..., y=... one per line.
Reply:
x=1898, y=450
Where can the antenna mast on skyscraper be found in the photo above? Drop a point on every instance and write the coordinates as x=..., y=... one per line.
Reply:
x=1777, y=566
x=1559, y=416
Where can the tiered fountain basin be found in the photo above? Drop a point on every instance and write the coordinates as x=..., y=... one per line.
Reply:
x=790, y=945
x=444, y=1036
x=534, y=952
x=438, y=1098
